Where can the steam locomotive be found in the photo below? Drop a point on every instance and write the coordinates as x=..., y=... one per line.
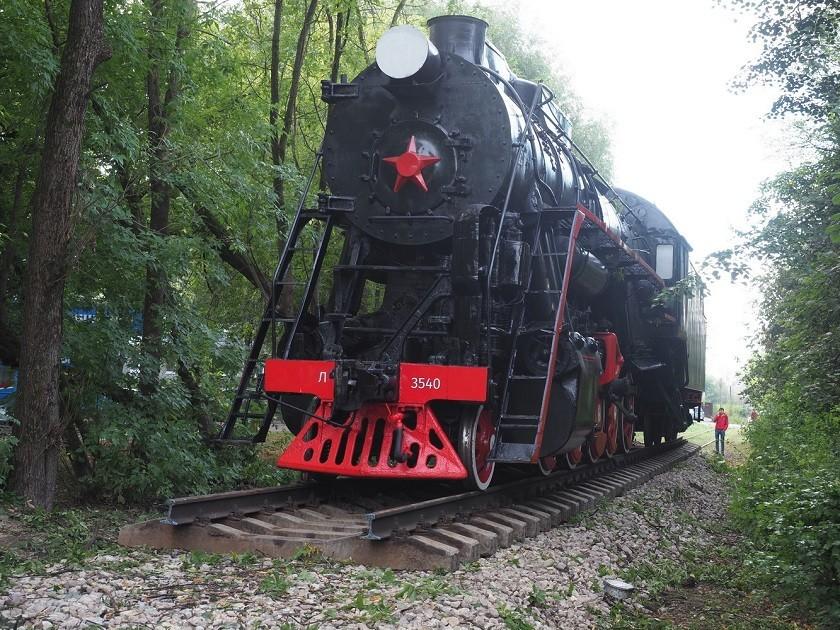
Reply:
x=492, y=299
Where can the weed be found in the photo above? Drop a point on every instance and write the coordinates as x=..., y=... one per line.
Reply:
x=244, y=559
x=514, y=619
x=374, y=610
x=307, y=553
x=374, y=578
x=538, y=597
x=274, y=584
x=426, y=588
x=12, y=565
x=197, y=559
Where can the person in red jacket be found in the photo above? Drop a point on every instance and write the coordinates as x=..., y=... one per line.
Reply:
x=721, y=425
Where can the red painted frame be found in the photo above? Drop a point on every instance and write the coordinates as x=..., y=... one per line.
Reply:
x=362, y=445
x=613, y=359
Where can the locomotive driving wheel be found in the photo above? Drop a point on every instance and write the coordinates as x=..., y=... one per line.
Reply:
x=476, y=438
x=611, y=429
x=572, y=459
x=547, y=465
x=627, y=428
x=596, y=445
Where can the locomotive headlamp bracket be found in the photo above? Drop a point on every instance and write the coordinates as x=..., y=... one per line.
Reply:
x=335, y=204
x=334, y=92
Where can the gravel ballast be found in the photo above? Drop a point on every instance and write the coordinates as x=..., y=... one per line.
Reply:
x=552, y=580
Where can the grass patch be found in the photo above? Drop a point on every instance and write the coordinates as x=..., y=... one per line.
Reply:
x=514, y=619
x=705, y=589
x=275, y=584
x=33, y=539
x=736, y=446
x=372, y=609
x=426, y=588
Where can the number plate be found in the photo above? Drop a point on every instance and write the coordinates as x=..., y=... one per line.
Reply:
x=421, y=382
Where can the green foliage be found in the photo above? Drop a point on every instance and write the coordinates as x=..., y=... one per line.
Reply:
x=275, y=584
x=35, y=539
x=691, y=285
x=372, y=608
x=514, y=619
x=140, y=455
x=426, y=588
x=787, y=494
x=7, y=446
x=127, y=444
x=799, y=53
x=537, y=598
x=788, y=501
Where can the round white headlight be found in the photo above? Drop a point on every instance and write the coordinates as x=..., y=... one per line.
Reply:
x=402, y=51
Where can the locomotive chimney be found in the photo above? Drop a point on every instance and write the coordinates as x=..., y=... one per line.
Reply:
x=459, y=34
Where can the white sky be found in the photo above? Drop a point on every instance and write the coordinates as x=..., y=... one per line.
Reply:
x=659, y=71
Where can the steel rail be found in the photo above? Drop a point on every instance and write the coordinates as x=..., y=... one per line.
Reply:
x=385, y=523
x=187, y=510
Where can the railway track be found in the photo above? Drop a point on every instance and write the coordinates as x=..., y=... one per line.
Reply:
x=387, y=525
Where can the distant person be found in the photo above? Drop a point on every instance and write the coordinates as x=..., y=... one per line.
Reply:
x=721, y=425
x=753, y=415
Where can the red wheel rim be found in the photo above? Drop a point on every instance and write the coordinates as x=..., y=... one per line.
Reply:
x=628, y=429
x=484, y=432
x=596, y=445
x=548, y=464
x=611, y=430
x=573, y=458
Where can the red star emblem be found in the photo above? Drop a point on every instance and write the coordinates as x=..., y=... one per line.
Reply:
x=410, y=166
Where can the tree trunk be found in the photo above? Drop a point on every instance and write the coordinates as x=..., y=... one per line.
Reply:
x=398, y=13
x=361, y=32
x=291, y=102
x=160, y=192
x=280, y=140
x=40, y=429
x=273, y=117
x=229, y=254
x=339, y=42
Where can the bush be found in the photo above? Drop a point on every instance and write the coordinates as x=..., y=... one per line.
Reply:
x=7, y=448
x=138, y=454
x=787, y=499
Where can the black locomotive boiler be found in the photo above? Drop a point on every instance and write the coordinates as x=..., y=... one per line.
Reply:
x=475, y=294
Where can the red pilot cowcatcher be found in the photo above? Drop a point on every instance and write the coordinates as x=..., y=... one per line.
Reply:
x=366, y=444
x=410, y=166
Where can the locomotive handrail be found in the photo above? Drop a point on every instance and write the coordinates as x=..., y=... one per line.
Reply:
x=595, y=172
x=503, y=213
x=280, y=270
